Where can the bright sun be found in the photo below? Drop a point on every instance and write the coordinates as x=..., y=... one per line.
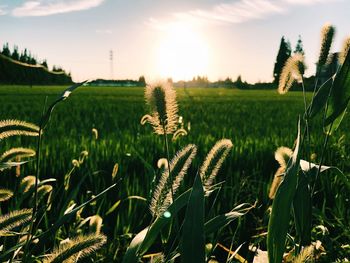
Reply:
x=182, y=54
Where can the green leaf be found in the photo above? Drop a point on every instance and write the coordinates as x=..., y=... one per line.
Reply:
x=116, y=204
x=114, y=207
x=340, y=95
x=193, y=239
x=62, y=97
x=221, y=221
x=281, y=206
x=8, y=165
x=141, y=243
x=319, y=101
x=302, y=210
x=66, y=217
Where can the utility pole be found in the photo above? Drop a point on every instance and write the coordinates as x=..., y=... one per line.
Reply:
x=111, y=63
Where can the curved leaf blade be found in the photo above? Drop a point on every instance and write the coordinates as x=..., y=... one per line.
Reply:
x=281, y=206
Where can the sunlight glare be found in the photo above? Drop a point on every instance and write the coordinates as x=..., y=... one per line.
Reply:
x=182, y=54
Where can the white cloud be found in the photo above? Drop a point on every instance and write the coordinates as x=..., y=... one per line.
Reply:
x=236, y=11
x=51, y=7
x=308, y=2
x=2, y=10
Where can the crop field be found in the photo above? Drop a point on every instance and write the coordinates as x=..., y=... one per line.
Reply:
x=256, y=121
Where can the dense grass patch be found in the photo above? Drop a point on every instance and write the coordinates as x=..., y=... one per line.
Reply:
x=257, y=122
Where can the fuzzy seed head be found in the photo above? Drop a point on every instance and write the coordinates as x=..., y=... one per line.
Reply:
x=306, y=255
x=95, y=224
x=18, y=123
x=345, y=50
x=14, y=219
x=162, y=163
x=5, y=194
x=43, y=191
x=161, y=98
x=79, y=247
x=20, y=152
x=94, y=133
x=282, y=155
x=168, y=185
x=292, y=71
x=75, y=163
x=115, y=171
x=277, y=180
x=27, y=183
x=327, y=34
x=10, y=128
x=213, y=163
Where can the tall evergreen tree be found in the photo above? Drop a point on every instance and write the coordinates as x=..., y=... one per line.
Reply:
x=299, y=47
x=6, y=50
x=15, y=54
x=24, y=56
x=284, y=53
x=44, y=63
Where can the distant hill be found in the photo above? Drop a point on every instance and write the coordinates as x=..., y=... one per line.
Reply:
x=15, y=72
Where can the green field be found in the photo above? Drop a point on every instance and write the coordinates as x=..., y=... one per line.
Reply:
x=257, y=122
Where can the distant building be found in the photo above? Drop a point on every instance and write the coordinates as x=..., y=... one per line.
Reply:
x=116, y=83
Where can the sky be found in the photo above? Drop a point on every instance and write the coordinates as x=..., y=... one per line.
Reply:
x=178, y=39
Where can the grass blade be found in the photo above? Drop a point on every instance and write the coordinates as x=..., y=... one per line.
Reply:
x=320, y=99
x=280, y=214
x=68, y=215
x=223, y=220
x=193, y=240
x=340, y=95
x=142, y=241
x=302, y=210
x=62, y=97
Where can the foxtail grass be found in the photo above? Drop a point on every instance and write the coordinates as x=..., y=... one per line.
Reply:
x=115, y=171
x=291, y=72
x=79, y=247
x=19, y=152
x=95, y=224
x=18, y=123
x=213, y=163
x=327, y=35
x=27, y=183
x=306, y=255
x=167, y=186
x=161, y=98
x=14, y=219
x=282, y=156
x=344, y=51
x=43, y=191
x=5, y=194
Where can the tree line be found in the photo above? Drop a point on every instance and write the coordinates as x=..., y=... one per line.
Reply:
x=23, y=68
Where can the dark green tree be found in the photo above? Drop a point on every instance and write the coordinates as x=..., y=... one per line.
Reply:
x=284, y=53
x=15, y=54
x=32, y=60
x=44, y=64
x=5, y=50
x=142, y=81
x=299, y=47
x=24, y=56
